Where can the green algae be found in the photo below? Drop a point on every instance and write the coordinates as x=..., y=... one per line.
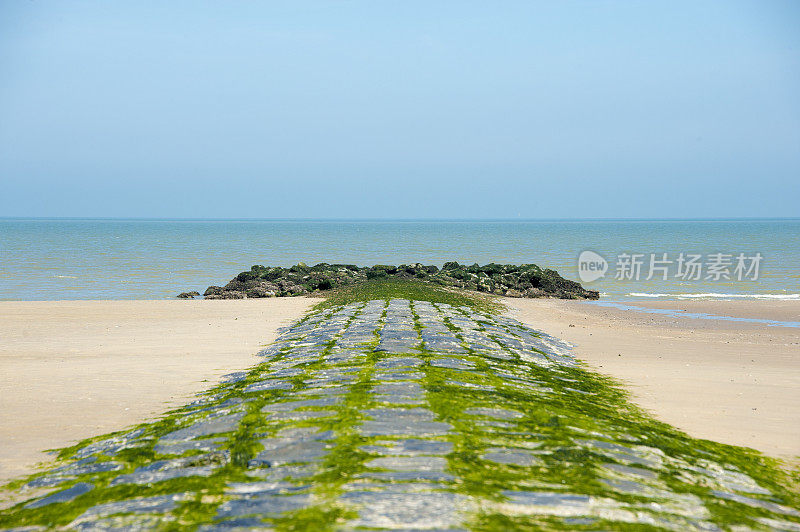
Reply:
x=345, y=460
x=573, y=428
x=605, y=414
x=394, y=288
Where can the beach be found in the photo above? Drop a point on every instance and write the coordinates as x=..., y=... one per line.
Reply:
x=76, y=369
x=343, y=267
x=729, y=381
x=70, y=370
x=347, y=405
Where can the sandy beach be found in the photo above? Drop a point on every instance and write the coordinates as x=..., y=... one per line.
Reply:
x=74, y=369
x=733, y=382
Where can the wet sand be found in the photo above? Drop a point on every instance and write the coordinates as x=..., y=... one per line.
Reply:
x=733, y=382
x=70, y=370
x=757, y=309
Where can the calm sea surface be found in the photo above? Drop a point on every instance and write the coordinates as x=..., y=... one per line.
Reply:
x=46, y=259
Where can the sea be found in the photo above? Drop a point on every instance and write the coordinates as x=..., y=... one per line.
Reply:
x=70, y=259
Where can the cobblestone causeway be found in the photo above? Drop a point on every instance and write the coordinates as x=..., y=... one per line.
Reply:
x=404, y=415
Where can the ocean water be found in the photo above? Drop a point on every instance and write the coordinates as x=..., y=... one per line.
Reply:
x=54, y=259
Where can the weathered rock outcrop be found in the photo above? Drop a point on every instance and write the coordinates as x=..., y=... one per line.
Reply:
x=526, y=280
x=188, y=295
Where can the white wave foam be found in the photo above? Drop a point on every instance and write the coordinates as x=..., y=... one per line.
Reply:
x=715, y=295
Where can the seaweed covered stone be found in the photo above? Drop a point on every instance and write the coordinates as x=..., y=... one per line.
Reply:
x=525, y=280
x=398, y=414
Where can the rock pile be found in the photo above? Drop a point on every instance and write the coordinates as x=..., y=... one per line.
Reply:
x=526, y=280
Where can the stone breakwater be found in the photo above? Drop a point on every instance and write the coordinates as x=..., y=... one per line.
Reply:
x=526, y=280
x=407, y=415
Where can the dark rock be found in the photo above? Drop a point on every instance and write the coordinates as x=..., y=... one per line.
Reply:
x=300, y=267
x=261, y=288
x=188, y=295
x=525, y=280
x=294, y=290
x=259, y=292
x=213, y=291
x=227, y=294
x=239, y=286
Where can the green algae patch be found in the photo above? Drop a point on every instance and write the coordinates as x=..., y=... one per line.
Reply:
x=393, y=288
x=314, y=518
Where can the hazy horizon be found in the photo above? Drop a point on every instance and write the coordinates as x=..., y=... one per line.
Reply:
x=199, y=219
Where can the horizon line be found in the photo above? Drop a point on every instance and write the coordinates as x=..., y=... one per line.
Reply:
x=198, y=219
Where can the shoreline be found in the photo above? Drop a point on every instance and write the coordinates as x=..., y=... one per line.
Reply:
x=729, y=381
x=785, y=311
x=70, y=370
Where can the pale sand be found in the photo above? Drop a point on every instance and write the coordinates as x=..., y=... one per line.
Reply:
x=736, y=383
x=71, y=370
x=74, y=369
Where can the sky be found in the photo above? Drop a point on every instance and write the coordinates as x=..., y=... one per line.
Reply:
x=400, y=109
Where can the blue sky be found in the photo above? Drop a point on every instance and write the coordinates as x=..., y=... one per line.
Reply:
x=400, y=109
